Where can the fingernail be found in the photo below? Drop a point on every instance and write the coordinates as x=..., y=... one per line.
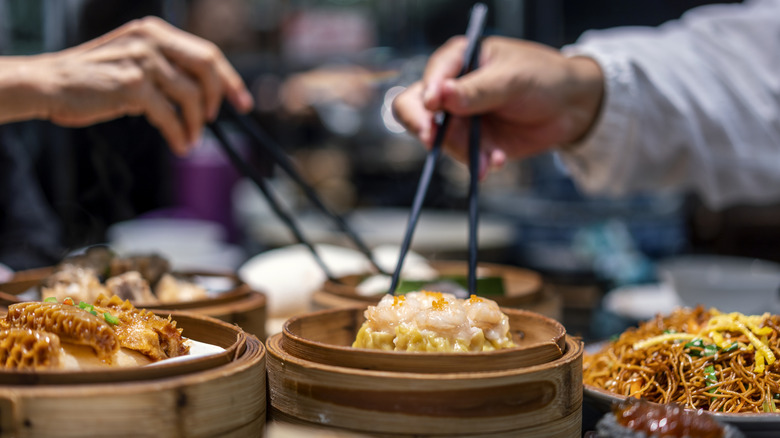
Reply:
x=247, y=102
x=425, y=132
x=425, y=137
x=497, y=158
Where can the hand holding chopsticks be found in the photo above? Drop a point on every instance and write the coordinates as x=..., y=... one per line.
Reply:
x=473, y=34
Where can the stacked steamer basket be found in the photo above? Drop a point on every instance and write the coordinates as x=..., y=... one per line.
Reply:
x=239, y=304
x=316, y=378
x=218, y=395
x=523, y=288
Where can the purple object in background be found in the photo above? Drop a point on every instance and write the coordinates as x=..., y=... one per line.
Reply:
x=203, y=184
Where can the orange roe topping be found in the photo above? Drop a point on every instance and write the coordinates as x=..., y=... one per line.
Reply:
x=435, y=295
x=475, y=299
x=439, y=304
x=398, y=300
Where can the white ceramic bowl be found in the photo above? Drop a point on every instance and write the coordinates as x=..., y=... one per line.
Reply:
x=730, y=284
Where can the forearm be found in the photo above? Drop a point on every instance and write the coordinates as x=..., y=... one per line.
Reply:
x=23, y=88
x=693, y=105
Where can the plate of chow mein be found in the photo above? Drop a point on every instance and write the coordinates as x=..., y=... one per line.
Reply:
x=725, y=364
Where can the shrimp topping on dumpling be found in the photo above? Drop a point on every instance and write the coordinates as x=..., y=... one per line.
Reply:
x=434, y=321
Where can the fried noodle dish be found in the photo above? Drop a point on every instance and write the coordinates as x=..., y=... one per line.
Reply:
x=698, y=358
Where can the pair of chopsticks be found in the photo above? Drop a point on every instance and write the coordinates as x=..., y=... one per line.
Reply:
x=261, y=139
x=474, y=32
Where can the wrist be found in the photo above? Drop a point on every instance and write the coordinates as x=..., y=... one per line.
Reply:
x=585, y=96
x=24, y=88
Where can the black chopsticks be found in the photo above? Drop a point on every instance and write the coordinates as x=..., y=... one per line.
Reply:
x=474, y=32
x=252, y=173
x=260, y=138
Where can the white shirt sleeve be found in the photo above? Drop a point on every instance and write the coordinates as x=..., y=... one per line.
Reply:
x=693, y=104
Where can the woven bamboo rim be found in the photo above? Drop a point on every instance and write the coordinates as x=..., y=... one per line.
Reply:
x=228, y=400
x=326, y=337
x=542, y=400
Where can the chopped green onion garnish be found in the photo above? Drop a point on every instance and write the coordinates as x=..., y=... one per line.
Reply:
x=710, y=350
x=695, y=346
x=698, y=348
x=88, y=307
x=698, y=343
x=50, y=300
x=111, y=319
x=769, y=405
x=709, y=374
x=712, y=378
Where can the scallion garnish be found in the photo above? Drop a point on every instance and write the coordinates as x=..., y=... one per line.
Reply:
x=111, y=319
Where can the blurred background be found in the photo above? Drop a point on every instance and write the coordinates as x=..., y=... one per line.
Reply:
x=323, y=74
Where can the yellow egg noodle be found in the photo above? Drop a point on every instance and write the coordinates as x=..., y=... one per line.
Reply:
x=700, y=358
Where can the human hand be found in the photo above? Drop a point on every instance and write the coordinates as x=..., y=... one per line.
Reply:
x=146, y=67
x=531, y=98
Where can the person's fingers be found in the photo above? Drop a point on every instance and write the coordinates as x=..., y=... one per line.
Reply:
x=478, y=92
x=410, y=112
x=180, y=89
x=497, y=158
x=235, y=89
x=484, y=164
x=163, y=115
x=205, y=62
x=445, y=63
x=198, y=62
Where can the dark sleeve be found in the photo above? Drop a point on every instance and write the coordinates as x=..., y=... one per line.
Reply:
x=30, y=233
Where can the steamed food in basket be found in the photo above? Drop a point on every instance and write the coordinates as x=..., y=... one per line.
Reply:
x=146, y=279
x=434, y=322
x=66, y=335
x=698, y=358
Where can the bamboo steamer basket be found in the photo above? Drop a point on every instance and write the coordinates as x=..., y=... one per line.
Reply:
x=240, y=305
x=314, y=383
x=524, y=288
x=326, y=337
x=225, y=399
